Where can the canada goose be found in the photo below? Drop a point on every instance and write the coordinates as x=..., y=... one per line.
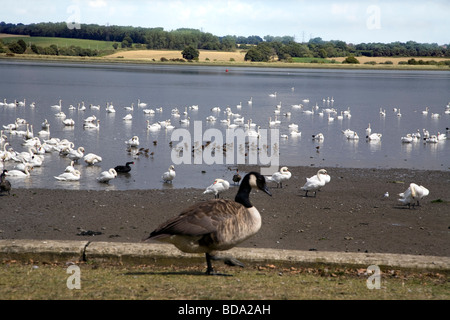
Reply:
x=237, y=177
x=215, y=225
x=124, y=169
x=5, y=185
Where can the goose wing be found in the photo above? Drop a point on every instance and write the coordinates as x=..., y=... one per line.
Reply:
x=200, y=219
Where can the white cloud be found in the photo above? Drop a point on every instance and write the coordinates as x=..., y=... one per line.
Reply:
x=97, y=3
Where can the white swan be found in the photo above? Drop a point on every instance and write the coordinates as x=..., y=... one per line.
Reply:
x=92, y=158
x=218, y=186
x=318, y=136
x=154, y=126
x=19, y=173
x=281, y=176
x=75, y=175
x=413, y=195
x=168, y=176
x=374, y=137
x=407, y=139
x=91, y=125
x=128, y=117
x=316, y=182
x=45, y=132
x=90, y=119
x=141, y=104
x=295, y=133
x=106, y=176
x=70, y=167
x=69, y=122
x=77, y=154
x=58, y=106
x=133, y=142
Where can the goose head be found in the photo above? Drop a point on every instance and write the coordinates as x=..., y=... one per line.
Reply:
x=253, y=180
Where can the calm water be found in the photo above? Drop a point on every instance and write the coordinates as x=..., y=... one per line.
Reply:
x=363, y=92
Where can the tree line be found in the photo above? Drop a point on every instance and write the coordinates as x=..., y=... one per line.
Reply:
x=259, y=49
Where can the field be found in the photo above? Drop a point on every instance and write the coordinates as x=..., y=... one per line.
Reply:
x=213, y=56
x=60, y=42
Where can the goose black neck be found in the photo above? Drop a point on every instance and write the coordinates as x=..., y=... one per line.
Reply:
x=243, y=193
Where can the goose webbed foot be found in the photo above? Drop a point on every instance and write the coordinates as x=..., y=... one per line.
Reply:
x=227, y=260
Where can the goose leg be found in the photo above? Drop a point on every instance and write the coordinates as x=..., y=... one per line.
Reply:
x=227, y=260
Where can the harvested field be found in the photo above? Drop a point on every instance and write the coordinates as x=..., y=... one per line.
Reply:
x=394, y=60
x=238, y=56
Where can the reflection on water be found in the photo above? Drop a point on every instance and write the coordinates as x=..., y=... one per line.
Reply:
x=303, y=98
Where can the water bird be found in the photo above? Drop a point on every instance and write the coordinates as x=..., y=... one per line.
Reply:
x=217, y=187
x=5, y=185
x=19, y=173
x=318, y=136
x=281, y=176
x=169, y=175
x=91, y=125
x=215, y=225
x=75, y=175
x=128, y=117
x=237, y=177
x=124, y=168
x=141, y=104
x=374, y=137
x=92, y=158
x=58, y=106
x=273, y=95
x=413, y=195
x=316, y=182
x=107, y=176
x=133, y=142
x=76, y=155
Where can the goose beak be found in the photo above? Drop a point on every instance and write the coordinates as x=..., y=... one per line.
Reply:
x=266, y=190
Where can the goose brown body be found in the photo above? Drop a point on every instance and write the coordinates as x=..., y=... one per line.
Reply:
x=215, y=225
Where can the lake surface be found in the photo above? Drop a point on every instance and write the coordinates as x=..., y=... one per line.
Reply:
x=362, y=92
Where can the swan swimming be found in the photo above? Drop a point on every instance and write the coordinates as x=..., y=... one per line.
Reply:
x=75, y=175
x=106, y=176
x=168, y=176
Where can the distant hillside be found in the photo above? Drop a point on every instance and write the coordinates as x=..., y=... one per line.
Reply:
x=284, y=48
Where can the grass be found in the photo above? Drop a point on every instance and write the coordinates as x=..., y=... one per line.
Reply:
x=38, y=281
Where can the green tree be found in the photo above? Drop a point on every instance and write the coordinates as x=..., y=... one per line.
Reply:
x=22, y=44
x=351, y=59
x=14, y=47
x=190, y=53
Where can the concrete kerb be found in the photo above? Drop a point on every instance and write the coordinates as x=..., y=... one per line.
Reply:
x=142, y=253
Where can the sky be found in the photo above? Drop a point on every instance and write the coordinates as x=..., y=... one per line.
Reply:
x=352, y=21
